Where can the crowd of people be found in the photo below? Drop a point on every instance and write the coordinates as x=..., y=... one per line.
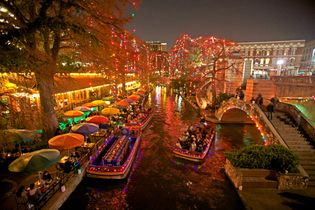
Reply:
x=195, y=138
x=27, y=197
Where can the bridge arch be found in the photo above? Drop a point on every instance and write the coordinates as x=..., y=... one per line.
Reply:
x=234, y=108
x=235, y=114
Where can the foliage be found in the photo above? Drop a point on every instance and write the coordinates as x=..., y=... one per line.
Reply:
x=223, y=97
x=204, y=59
x=274, y=157
x=48, y=36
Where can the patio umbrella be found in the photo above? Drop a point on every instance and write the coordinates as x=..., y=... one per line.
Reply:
x=82, y=109
x=35, y=161
x=98, y=102
x=134, y=97
x=73, y=113
x=122, y=103
x=128, y=100
x=97, y=119
x=85, y=128
x=110, y=111
x=140, y=93
x=66, y=141
x=90, y=105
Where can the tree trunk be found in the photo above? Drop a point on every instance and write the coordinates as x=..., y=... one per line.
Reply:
x=45, y=81
x=123, y=81
x=213, y=89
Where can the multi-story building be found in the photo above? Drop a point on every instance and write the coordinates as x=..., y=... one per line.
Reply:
x=157, y=46
x=308, y=59
x=159, y=57
x=268, y=58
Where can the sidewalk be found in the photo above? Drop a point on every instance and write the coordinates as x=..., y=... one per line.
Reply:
x=271, y=199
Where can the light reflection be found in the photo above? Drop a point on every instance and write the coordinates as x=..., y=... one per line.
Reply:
x=157, y=94
x=179, y=104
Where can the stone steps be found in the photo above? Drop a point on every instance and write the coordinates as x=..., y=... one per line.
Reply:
x=301, y=147
x=309, y=168
x=311, y=173
x=296, y=141
x=307, y=163
x=310, y=154
x=298, y=149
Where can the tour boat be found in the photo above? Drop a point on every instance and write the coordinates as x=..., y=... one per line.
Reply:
x=141, y=122
x=196, y=156
x=116, y=161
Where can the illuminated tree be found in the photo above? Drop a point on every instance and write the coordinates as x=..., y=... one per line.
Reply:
x=129, y=56
x=42, y=35
x=204, y=60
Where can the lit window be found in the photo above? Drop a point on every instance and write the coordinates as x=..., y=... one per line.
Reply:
x=267, y=60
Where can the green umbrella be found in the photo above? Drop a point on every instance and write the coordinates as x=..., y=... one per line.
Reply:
x=35, y=161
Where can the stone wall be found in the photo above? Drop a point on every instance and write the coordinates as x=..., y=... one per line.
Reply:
x=292, y=181
x=255, y=86
x=234, y=174
x=285, y=181
x=294, y=86
x=280, y=86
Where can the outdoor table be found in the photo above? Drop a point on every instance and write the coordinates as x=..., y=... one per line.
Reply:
x=63, y=159
x=98, y=135
x=88, y=145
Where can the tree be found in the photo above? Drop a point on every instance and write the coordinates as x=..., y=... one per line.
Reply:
x=40, y=35
x=217, y=58
x=204, y=60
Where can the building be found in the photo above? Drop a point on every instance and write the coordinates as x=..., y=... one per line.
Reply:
x=157, y=46
x=159, y=57
x=270, y=58
x=308, y=59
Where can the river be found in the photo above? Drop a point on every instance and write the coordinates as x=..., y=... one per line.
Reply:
x=160, y=181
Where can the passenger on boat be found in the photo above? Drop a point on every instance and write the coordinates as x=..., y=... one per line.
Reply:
x=178, y=145
x=47, y=178
x=199, y=148
x=193, y=146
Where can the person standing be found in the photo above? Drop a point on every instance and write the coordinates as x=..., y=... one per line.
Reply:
x=241, y=95
x=270, y=110
x=259, y=100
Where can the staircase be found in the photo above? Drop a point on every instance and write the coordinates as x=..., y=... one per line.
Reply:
x=297, y=142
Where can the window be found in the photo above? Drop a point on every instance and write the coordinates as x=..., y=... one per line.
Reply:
x=267, y=61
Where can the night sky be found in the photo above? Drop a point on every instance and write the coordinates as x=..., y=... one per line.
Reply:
x=238, y=20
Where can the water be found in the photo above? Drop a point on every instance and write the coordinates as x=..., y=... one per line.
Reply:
x=160, y=181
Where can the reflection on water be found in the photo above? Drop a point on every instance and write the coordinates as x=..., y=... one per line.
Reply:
x=160, y=181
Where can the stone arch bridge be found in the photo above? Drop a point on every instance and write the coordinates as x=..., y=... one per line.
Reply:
x=238, y=111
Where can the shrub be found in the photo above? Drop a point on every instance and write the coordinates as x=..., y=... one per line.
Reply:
x=223, y=97
x=274, y=157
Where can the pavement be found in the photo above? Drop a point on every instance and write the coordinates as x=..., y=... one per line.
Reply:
x=272, y=199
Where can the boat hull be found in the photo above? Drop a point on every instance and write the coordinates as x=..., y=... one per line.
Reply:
x=141, y=125
x=193, y=156
x=115, y=172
